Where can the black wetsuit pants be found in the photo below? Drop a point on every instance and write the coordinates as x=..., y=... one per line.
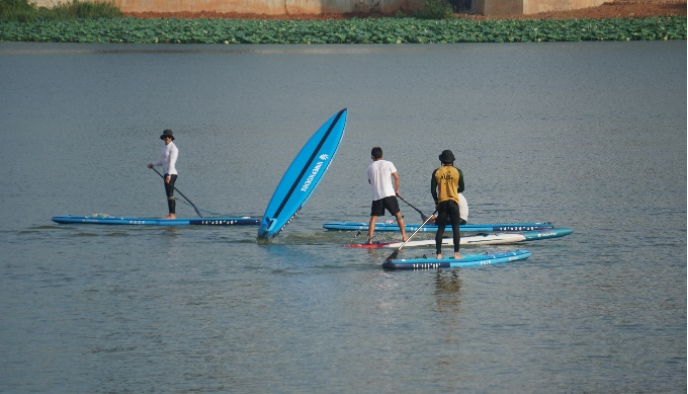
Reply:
x=448, y=210
x=169, y=191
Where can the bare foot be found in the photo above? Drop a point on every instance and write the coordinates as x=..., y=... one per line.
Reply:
x=170, y=216
x=457, y=256
x=439, y=256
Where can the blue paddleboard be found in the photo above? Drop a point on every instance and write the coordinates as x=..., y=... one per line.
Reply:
x=121, y=220
x=303, y=176
x=524, y=226
x=470, y=260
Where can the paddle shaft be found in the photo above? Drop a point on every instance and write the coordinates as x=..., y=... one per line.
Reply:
x=396, y=252
x=422, y=215
x=181, y=194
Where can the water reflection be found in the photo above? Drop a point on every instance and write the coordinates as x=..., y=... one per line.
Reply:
x=448, y=290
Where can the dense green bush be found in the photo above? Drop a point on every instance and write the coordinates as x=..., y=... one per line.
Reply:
x=17, y=10
x=354, y=31
x=23, y=11
x=435, y=9
x=85, y=9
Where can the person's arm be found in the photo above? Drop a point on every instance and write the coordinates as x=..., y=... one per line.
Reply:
x=433, y=187
x=461, y=187
x=396, y=182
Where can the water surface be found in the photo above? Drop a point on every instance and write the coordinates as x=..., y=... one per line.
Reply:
x=590, y=136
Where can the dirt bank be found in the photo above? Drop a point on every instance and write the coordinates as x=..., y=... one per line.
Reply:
x=610, y=9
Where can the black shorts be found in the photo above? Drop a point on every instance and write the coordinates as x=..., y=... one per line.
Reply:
x=390, y=203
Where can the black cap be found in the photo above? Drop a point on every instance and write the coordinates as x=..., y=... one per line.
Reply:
x=167, y=133
x=447, y=156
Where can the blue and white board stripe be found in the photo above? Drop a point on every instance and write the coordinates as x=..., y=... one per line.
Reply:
x=472, y=260
x=359, y=226
x=303, y=176
x=123, y=220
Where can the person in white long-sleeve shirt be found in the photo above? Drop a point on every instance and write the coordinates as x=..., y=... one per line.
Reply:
x=168, y=160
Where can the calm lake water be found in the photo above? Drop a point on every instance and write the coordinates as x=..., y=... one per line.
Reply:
x=590, y=136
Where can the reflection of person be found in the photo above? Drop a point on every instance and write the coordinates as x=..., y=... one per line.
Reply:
x=168, y=160
x=445, y=186
x=380, y=174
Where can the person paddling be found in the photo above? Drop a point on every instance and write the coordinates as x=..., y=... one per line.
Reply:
x=445, y=186
x=380, y=174
x=168, y=160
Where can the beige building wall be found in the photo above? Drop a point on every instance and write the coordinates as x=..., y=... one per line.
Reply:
x=498, y=7
x=524, y=7
x=536, y=6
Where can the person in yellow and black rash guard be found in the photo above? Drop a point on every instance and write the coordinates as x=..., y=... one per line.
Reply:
x=446, y=184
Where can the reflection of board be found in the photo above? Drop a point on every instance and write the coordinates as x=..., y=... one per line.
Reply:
x=303, y=176
x=478, y=239
x=354, y=226
x=470, y=260
x=118, y=220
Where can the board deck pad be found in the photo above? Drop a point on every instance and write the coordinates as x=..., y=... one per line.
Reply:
x=303, y=176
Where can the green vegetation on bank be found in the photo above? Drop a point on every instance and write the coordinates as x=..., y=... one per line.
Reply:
x=23, y=11
x=354, y=31
x=101, y=23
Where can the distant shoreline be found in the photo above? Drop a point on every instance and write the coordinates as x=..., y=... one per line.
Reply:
x=351, y=31
x=610, y=9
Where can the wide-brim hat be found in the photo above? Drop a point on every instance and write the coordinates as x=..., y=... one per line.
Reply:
x=447, y=157
x=167, y=133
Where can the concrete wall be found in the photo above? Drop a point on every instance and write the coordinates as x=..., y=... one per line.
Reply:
x=280, y=7
x=498, y=7
x=524, y=7
x=536, y=6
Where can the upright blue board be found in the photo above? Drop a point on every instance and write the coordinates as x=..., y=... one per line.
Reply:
x=303, y=176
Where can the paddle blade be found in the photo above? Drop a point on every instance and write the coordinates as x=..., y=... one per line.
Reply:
x=396, y=252
x=393, y=255
x=197, y=212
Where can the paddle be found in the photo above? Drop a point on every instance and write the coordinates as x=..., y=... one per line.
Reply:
x=422, y=215
x=396, y=252
x=181, y=194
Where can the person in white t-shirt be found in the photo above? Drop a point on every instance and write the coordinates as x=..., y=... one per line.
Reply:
x=380, y=175
x=168, y=160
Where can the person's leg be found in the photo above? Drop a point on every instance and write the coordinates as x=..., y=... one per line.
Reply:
x=392, y=205
x=402, y=226
x=453, y=211
x=371, y=228
x=171, y=203
x=377, y=208
x=441, y=224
